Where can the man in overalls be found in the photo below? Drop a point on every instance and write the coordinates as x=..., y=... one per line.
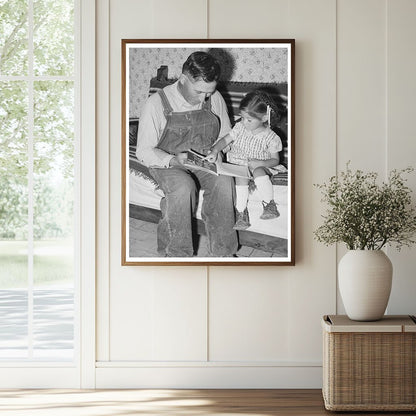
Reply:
x=189, y=114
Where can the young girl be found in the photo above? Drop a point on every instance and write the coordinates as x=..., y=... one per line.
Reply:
x=254, y=144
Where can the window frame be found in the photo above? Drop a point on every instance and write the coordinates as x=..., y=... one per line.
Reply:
x=81, y=371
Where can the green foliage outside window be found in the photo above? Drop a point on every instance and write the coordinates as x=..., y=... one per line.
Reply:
x=53, y=118
x=14, y=32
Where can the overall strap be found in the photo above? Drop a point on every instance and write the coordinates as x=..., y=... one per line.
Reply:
x=167, y=108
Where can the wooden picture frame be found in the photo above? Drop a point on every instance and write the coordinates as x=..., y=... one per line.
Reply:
x=246, y=65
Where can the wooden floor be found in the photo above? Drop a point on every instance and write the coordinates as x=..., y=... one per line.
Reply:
x=166, y=402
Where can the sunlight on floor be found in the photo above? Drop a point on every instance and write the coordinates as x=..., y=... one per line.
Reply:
x=114, y=403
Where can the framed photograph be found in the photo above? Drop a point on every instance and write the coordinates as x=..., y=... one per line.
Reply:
x=208, y=151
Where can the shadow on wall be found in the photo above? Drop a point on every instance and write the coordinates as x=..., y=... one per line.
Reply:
x=226, y=61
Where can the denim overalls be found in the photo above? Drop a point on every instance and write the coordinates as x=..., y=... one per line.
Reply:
x=197, y=130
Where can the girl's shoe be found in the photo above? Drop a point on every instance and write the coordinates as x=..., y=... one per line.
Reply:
x=269, y=210
x=242, y=221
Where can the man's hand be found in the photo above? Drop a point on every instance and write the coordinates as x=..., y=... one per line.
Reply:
x=178, y=160
x=212, y=156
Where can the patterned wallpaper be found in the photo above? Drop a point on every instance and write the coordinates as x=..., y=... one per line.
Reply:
x=238, y=64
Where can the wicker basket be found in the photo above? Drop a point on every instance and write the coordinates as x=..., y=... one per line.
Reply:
x=369, y=366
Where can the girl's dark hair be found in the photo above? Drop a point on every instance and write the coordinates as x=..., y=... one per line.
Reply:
x=255, y=104
x=202, y=65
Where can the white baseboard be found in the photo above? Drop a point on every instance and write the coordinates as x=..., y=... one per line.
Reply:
x=169, y=375
x=39, y=378
x=208, y=377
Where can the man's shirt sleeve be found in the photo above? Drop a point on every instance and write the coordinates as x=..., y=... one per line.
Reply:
x=148, y=136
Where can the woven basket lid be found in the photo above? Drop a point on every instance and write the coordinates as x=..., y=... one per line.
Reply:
x=389, y=323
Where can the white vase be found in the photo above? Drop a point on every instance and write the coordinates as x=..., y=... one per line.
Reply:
x=364, y=278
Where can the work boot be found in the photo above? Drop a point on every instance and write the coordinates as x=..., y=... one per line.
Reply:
x=242, y=221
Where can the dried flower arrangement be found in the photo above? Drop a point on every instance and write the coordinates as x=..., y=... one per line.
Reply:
x=366, y=215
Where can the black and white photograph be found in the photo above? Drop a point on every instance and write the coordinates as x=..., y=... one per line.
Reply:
x=208, y=152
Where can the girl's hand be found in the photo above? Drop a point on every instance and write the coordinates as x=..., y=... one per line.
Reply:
x=211, y=156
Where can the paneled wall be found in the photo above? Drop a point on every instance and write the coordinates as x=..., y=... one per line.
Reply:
x=255, y=326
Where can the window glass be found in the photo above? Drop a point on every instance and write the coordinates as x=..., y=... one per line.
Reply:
x=14, y=313
x=13, y=161
x=53, y=37
x=13, y=219
x=37, y=182
x=53, y=197
x=13, y=37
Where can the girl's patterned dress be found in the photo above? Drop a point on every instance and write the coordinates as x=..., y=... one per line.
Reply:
x=247, y=145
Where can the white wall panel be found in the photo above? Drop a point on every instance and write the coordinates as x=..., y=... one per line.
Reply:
x=141, y=328
x=248, y=311
x=312, y=283
x=355, y=89
x=236, y=19
x=298, y=338
x=131, y=317
x=401, y=139
x=102, y=179
x=159, y=317
x=361, y=89
x=179, y=308
x=179, y=19
x=265, y=307
x=361, y=84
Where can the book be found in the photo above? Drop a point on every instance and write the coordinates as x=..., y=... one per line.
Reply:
x=197, y=161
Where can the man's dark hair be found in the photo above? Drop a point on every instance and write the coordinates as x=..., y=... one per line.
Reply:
x=202, y=65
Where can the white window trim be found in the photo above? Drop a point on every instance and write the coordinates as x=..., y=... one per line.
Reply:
x=87, y=299
x=81, y=372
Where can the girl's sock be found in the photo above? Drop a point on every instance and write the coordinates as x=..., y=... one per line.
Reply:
x=241, y=197
x=265, y=187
